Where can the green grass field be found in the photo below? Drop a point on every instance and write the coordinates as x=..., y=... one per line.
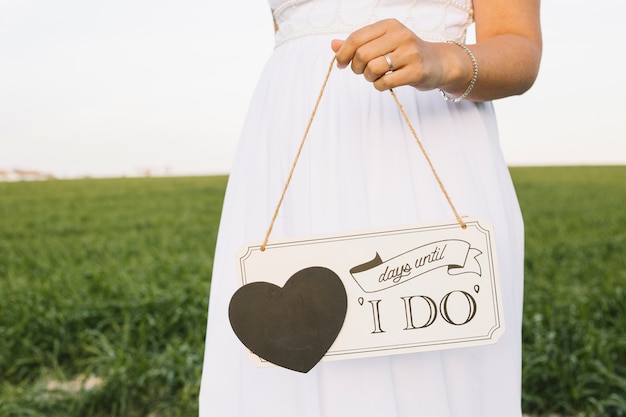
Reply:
x=104, y=286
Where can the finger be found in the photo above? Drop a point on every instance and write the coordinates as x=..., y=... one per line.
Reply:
x=355, y=41
x=380, y=66
x=387, y=81
x=372, y=54
x=335, y=44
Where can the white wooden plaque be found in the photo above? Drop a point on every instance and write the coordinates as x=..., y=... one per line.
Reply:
x=412, y=289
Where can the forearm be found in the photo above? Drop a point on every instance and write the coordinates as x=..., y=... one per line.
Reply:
x=507, y=65
x=507, y=54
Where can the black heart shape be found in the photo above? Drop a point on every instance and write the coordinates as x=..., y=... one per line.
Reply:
x=293, y=326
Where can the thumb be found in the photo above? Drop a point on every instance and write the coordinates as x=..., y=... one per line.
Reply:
x=336, y=44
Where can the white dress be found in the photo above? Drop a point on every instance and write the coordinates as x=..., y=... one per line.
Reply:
x=360, y=169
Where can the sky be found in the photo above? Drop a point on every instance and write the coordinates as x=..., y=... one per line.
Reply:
x=129, y=87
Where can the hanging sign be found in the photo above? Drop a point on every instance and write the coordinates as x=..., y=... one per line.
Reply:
x=368, y=294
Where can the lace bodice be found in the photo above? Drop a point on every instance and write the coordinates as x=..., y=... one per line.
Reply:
x=432, y=20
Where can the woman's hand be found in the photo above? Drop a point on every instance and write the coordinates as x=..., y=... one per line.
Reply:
x=507, y=51
x=423, y=65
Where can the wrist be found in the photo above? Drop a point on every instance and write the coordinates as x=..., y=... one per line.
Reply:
x=463, y=73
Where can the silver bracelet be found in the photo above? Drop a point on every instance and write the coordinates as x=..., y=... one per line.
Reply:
x=472, y=82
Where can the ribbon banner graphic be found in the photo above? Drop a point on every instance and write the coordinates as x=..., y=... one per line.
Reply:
x=377, y=275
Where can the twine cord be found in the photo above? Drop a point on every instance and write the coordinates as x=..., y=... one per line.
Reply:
x=430, y=163
x=295, y=161
x=306, y=133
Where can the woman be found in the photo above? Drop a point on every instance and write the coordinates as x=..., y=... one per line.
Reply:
x=361, y=169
